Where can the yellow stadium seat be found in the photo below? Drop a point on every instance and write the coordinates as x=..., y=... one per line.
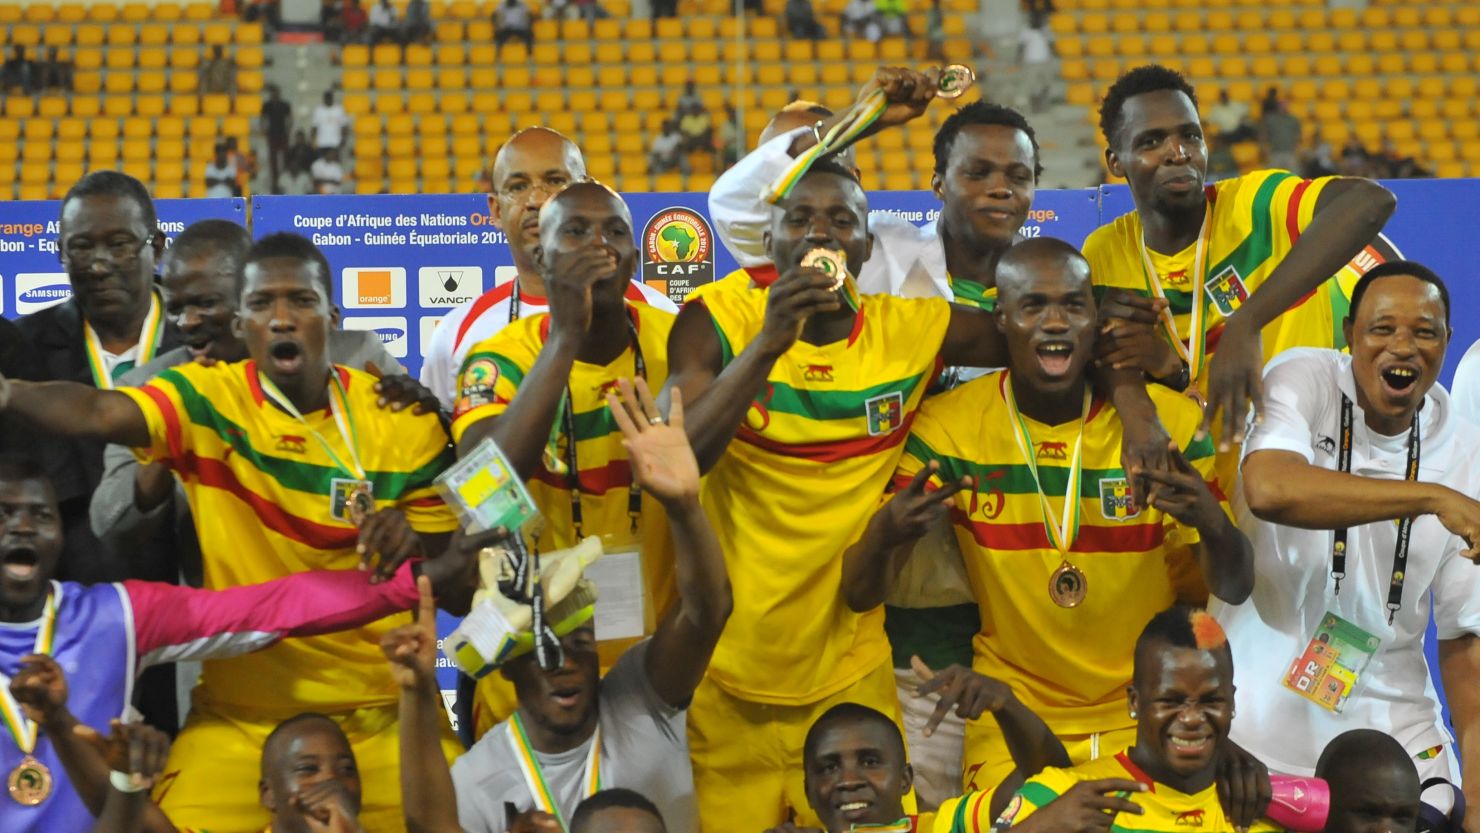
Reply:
x=39, y=13
x=118, y=83
x=1413, y=40
x=1258, y=43
x=120, y=61
x=1407, y=17
x=1226, y=44
x=1132, y=46
x=385, y=55
x=390, y=104
x=151, y=82
x=154, y=58
x=38, y=131
x=1400, y=89
x=480, y=31
x=184, y=34
x=1295, y=66
x=51, y=106
x=86, y=106
x=484, y=78
x=1467, y=15
x=1319, y=42
x=355, y=55
x=420, y=79
x=1234, y=67
x=421, y=103
x=118, y=36
x=1383, y=41
x=200, y=11
x=1391, y=64
x=1465, y=130
x=546, y=54
x=1376, y=17
x=184, y=58
x=1265, y=66
x=1357, y=64
x=150, y=105
x=353, y=80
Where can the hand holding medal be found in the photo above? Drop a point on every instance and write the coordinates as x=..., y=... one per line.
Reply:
x=41, y=685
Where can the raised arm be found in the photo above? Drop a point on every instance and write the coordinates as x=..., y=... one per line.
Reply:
x=1348, y=214
x=427, y=795
x=523, y=429
x=663, y=465
x=72, y=409
x=719, y=394
x=1223, y=552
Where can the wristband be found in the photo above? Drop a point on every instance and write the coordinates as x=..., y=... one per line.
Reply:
x=124, y=783
x=1177, y=381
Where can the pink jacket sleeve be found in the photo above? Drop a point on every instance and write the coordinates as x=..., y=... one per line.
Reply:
x=183, y=623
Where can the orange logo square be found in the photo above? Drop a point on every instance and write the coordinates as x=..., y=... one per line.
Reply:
x=375, y=287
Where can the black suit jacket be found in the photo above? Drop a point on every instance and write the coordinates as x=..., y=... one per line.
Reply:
x=74, y=465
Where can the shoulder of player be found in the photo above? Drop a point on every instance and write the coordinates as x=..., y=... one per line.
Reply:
x=966, y=405
x=518, y=339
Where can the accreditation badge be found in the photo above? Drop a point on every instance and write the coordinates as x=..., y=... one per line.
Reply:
x=351, y=501
x=1328, y=670
x=485, y=490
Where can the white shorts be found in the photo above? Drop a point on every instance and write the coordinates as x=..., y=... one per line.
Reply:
x=936, y=759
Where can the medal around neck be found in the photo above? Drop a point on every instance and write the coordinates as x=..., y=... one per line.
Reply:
x=30, y=782
x=1068, y=586
x=829, y=263
x=955, y=80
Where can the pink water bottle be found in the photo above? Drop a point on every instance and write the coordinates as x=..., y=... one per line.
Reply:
x=1300, y=804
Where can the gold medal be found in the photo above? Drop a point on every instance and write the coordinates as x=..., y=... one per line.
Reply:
x=361, y=504
x=29, y=782
x=955, y=80
x=1067, y=586
x=829, y=263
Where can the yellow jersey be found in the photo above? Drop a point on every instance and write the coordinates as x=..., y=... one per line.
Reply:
x=1165, y=809
x=1256, y=219
x=799, y=482
x=739, y=279
x=1069, y=666
x=260, y=485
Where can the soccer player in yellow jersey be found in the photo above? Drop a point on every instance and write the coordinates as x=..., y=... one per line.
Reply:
x=1182, y=701
x=538, y=388
x=801, y=406
x=1061, y=584
x=1244, y=262
x=289, y=465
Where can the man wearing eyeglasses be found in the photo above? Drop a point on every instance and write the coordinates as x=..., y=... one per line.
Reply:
x=109, y=244
x=533, y=165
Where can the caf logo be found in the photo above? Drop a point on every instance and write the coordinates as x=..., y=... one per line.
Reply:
x=678, y=252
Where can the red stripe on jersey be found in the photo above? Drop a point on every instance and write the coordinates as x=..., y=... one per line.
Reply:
x=616, y=474
x=1135, y=771
x=216, y=474
x=171, y=419
x=1032, y=536
x=486, y=301
x=1292, y=211
x=829, y=452
x=763, y=276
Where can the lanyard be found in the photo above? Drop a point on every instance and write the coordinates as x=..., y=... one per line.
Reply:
x=343, y=420
x=1063, y=534
x=904, y=825
x=22, y=728
x=148, y=343
x=1405, y=525
x=572, y=467
x=514, y=302
x=1194, y=351
x=534, y=776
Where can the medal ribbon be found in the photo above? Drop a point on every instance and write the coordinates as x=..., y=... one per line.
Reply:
x=534, y=777
x=1194, y=350
x=904, y=825
x=148, y=343
x=343, y=420
x=862, y=115
x=1061, y=536
x=22, y=728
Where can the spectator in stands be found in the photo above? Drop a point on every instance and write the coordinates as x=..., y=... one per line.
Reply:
x=1391, y=164
x=383, y=23
x=417, y=27
x=277, y=125
x=697, y=128
x=55, y=72
x=1035, y=65
x=689, y=98
x=218, y=73
x=667, y=151
x=1230, y=120
x=857, y=17
x=331, y=21
x=1270, y=101
x=353, y=22
x=300, y=159
x=15, y=76
x=1322, y=160
x=591, y=10
x=935, y=32
x=1355, y=160
x=801, y=20
x=327, y=173
x=329, y=123
x=245, y=162
x=220, y=174
x=560, y=10
x=893, y=16
x=664, y=8
x=727, y=139
x=1280, y=137
x=267, y=11
x=513, y=21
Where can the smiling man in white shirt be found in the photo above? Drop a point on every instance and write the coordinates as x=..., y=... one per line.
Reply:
x=1358, y=485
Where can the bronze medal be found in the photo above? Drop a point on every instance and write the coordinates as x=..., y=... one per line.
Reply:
x=1067, y=586
x=361, y=504
x=29, y=782
x=829, y=263
x=955, y=80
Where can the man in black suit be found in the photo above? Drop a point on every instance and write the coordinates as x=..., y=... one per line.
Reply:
x=109, y=243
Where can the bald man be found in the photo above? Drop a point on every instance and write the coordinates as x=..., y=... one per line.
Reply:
x=1059, y=610
x=545, y=377
x=533, y=165
x=1374, y=784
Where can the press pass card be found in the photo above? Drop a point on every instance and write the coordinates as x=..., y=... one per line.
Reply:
x=1327, y=671
x=485, y=490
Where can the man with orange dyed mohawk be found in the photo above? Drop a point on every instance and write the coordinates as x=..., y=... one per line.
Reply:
x=1181, y=698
